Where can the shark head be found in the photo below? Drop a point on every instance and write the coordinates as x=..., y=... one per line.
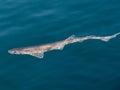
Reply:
x=12, y=51
x=28, y=51
x=20, y=51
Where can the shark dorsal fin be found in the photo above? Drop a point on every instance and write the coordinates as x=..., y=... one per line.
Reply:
x=71, y=37
x=38, y=55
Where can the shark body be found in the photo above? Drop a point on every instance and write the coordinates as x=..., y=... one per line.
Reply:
x=38, y=51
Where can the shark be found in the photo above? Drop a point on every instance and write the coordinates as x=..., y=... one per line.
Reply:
x=39, y=50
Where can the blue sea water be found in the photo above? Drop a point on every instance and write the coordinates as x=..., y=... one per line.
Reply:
x=89, y=65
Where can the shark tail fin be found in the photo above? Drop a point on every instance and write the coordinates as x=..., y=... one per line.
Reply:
x=107, y=38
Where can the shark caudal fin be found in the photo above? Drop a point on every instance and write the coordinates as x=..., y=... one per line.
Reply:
x=107, y=38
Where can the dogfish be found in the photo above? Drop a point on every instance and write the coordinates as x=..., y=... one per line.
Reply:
x=39, y=50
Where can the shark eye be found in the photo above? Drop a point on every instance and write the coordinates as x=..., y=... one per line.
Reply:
x=13, y=51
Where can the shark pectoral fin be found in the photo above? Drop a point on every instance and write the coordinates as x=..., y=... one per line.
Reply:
x=38, y=55
x=60, y=47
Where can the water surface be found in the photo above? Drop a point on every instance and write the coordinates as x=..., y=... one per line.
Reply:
x=91, y=64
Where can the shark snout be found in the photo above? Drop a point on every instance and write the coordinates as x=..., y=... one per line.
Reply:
x=11, y=51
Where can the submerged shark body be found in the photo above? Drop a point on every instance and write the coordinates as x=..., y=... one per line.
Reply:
x=38, y=51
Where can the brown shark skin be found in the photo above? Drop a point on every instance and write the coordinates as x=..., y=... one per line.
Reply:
x=40, y=49
x=36, y=49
